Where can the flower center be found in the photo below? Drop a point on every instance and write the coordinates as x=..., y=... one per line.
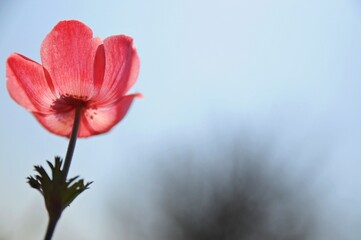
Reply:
x=69, y=101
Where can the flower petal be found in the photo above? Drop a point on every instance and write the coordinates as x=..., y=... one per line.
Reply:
x=29, y=84
x=94, y=121
x=121, y=68
x=102, y=119
x=58, y=123
x=69, y=54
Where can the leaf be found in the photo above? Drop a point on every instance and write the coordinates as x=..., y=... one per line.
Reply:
x=58, y=192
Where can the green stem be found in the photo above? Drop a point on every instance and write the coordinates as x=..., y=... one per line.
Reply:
x=51, y=227
x=54, y=218
x=72, y=142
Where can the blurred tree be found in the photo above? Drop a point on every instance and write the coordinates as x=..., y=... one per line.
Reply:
x=231, y=194
x=245, y=202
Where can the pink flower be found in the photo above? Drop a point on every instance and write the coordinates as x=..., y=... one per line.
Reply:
x=77, y=71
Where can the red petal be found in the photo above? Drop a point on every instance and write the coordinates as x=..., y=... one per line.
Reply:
x=93, y=122
x=121, y=68
x=29, y=84
x=58, y=123
x=68, y=53
x=102, y=119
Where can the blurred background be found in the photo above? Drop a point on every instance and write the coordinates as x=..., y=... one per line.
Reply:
x=249, y=129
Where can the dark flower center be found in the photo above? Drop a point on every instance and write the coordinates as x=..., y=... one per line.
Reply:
x=68, y=101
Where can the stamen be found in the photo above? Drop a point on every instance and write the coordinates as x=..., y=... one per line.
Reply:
x=69, y=100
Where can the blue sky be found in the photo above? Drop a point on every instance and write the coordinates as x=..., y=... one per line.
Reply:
x=284, y=70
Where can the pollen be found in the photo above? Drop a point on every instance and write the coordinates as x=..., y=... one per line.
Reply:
x=69, y=100
x=91, y=112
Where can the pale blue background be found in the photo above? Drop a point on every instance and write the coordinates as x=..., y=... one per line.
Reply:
x=288, y=71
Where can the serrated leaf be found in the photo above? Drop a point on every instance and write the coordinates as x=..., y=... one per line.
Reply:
x=57, y=192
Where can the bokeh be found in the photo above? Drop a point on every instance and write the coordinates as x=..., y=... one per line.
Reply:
x=251, y=108
x=234, y=191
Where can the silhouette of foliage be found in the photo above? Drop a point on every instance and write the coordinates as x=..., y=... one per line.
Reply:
x=232, y=194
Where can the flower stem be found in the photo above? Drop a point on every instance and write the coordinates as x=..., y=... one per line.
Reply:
x=51, y=227
x=55, y=216
x=72, y=142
